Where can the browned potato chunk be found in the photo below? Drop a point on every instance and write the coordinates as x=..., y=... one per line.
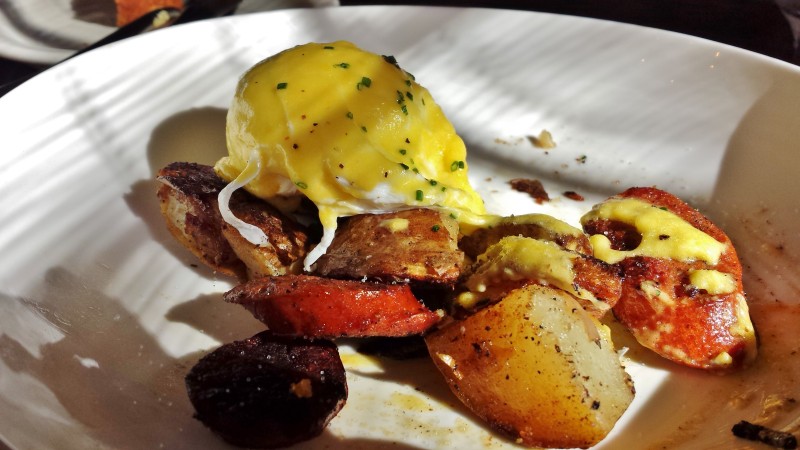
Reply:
x=188, y=196
x=537, y=226
x=536, y=367
x=417, y=245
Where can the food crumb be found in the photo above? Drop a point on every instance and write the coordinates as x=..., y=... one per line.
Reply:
x=572, y=195
x=774, y=438
x=531, y=187
x=543, y=140
x=302, y=389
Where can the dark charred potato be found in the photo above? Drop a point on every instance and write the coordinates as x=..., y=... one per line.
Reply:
x=268, y=391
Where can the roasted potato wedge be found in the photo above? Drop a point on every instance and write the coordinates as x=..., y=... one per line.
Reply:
x=416, y=245
x=536, y=226
x=682, y=293
x=288, y=241
x=516, y=260
x=536, y=367
x=188, y=196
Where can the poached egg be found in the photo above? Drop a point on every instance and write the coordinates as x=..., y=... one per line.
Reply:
x=349, y=130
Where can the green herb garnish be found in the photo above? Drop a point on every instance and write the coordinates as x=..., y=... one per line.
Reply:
x=364, y=83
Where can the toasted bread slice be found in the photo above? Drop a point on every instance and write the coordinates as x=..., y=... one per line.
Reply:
x=188, y=196
x=416, y=245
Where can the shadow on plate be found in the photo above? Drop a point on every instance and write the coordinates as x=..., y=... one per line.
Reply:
x=755, y=198
x=196, y=135
x=104, y=380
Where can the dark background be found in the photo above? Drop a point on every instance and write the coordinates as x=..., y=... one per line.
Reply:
x=756, y=25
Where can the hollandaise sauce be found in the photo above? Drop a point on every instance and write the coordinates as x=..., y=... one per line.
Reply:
x=664, y=234
x=348, y=129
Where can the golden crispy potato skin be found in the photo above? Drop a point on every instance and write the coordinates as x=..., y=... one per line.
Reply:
x=536, y=367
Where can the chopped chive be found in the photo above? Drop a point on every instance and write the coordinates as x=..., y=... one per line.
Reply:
x=408, y=82
x=349, y=115
x=404, y=109
x=410, y=96
x=419, y=195
x=281, y=85
x=343, y=65
x=402, y=151
x=434, y=182
x=301, y=185
x=404, y=166
x=328, y=47
x=365, y=82
x=453, y=216
x=444, y=188
x=435, y=228
x=363, y=128
x=415, y=170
